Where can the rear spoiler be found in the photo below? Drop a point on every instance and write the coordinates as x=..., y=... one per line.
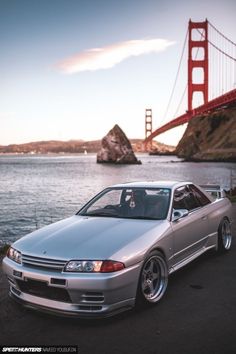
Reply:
x=214, y=190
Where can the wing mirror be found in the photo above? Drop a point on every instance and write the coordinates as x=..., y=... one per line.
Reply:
x=178, y=214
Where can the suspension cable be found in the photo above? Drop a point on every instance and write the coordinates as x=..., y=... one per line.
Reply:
x=220, y=50
x=176, y=77
x=220, y=33
x=181, y=100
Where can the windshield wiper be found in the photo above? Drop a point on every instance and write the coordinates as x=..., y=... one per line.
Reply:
x=105, y=213
x=109, y=214
x=140, y=217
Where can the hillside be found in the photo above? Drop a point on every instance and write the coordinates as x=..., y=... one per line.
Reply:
x=71, y=146
x=52, y=146
x=210, y=137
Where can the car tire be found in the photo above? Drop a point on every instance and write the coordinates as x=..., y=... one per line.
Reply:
x=153, y=279
x=224, y=236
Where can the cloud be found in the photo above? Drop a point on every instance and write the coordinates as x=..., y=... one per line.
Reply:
x=109, y=56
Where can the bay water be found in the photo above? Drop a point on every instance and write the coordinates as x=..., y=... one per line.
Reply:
x=36, y=190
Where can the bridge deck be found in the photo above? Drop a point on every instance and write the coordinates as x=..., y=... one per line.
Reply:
x=224, y=100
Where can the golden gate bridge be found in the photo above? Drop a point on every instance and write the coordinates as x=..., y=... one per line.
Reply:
x=212, y=56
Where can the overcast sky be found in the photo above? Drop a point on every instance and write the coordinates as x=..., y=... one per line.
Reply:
x=71, y=69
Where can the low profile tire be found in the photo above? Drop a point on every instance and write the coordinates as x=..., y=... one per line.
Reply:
x=224, y=236
x=153, y=279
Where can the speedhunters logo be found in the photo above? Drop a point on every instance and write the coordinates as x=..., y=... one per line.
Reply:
x=40, y=349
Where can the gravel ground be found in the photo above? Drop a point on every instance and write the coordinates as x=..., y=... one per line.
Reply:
x=196, y=315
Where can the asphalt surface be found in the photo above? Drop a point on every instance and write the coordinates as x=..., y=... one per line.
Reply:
x=196, y=315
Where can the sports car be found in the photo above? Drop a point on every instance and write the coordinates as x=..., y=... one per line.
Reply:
x=118, y=251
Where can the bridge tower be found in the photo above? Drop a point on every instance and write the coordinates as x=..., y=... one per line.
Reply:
x=193, y=63
x=148, y=127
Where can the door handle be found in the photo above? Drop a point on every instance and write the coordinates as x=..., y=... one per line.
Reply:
x=204, y=217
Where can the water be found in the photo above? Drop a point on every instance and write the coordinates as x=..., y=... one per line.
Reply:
x=38, y=190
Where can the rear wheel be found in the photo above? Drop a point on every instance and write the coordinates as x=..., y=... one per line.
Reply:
x=224, y=236
x=153, y=279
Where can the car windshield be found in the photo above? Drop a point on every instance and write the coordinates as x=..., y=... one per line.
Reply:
x=133, y=203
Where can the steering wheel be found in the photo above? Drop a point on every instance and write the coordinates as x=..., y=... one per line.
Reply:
x=109, y=206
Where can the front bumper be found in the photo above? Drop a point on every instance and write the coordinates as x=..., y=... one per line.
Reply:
x=81, y=294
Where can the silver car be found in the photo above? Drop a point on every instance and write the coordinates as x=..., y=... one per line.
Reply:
x=118, y=250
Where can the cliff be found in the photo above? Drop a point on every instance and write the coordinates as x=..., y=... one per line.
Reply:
x=210, y=137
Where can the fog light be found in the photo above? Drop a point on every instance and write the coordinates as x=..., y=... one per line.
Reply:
x=18, y=274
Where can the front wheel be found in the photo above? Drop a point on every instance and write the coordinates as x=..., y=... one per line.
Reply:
x=153, y=279
x=224, y=236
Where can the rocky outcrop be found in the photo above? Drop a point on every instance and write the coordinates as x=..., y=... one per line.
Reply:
x=161, y=149
x=116, y=148
x=210, y=137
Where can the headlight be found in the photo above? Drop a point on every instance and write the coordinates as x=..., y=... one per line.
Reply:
x=83, y=266
x=93, y=266
x=14, y=255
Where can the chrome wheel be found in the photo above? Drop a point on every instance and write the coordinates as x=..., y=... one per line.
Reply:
x=154, y=278
x=224, y=236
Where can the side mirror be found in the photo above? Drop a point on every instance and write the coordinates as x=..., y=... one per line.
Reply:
x=178, y=214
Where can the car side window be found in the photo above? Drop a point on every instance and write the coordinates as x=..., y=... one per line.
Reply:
x=184, y=198
x=179, y=200
x=201, y=197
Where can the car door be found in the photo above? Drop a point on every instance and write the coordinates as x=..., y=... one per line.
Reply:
x=190, y=232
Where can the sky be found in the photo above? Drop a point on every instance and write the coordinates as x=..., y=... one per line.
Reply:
x=71, y=69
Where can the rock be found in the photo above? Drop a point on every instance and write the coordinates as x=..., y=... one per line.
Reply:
x=116, y=148
x=210, y=137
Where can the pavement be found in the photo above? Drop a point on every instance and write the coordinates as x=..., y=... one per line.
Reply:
x=196, y=315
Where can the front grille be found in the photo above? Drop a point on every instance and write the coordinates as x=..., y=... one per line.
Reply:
x=45, y=263
x=41, y=289
x=92, y=297
x=14, y=290
x=89, y=308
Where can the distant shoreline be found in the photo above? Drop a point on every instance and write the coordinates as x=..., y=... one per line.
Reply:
x=73, y=146
x=167, y=154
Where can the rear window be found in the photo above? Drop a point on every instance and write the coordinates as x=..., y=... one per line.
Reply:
x=200, y=196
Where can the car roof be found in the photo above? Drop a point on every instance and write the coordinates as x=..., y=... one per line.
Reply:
x=152, y=184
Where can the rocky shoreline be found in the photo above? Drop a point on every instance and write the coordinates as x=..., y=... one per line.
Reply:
x=210, y=138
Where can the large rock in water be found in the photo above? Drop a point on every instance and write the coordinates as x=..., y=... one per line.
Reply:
x=116, y=148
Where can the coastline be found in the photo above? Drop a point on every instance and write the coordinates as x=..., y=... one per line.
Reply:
x=138, y=153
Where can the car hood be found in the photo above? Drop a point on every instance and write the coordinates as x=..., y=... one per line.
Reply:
x=80, y=237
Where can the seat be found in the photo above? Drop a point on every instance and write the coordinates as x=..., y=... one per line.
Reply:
x=134, y=206
x=155, y=206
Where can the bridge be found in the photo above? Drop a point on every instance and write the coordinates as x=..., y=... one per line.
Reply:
x=211, y=72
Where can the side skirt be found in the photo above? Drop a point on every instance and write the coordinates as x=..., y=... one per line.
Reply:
x=189, y=259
